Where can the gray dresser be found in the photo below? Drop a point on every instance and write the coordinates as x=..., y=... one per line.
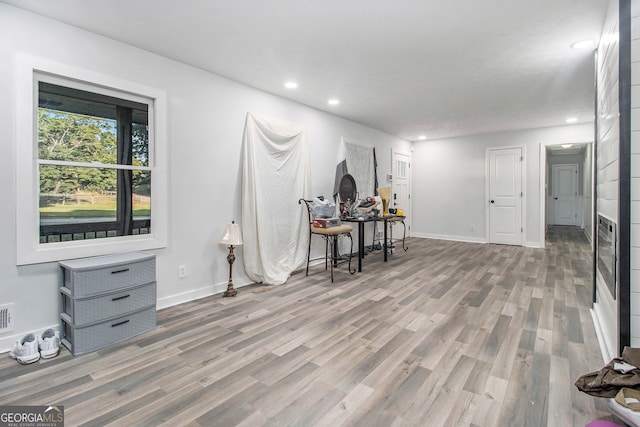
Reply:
x=107, y=299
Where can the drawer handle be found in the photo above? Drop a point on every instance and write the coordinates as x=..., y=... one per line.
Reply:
x=119, y=271
x=119, y=298
x=120, y=323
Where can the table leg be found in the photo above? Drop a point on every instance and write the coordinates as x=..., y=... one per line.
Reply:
x=384, y=247
x=360, y=245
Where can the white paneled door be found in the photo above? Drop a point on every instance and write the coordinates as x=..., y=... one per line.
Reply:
x=565, y=194
x=505, y=196
x=401, y=182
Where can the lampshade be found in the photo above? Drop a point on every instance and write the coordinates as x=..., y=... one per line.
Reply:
x=232, y=235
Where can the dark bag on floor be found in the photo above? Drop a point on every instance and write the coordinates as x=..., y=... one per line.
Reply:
x=607, y=381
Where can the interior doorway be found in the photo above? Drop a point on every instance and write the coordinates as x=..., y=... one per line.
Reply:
x=565, y=169
x=564, y=179
x=401, y=185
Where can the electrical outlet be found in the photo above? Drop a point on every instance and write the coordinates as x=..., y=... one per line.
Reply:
x=472, y=227
x=182, y=271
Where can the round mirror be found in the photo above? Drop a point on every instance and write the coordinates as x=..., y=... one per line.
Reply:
x=347, y=189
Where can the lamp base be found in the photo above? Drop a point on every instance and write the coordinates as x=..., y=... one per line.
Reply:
x=230, y=292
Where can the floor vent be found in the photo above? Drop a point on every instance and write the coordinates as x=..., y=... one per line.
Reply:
x=6, y=318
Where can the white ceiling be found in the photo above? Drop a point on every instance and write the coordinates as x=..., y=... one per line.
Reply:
x=409, y=67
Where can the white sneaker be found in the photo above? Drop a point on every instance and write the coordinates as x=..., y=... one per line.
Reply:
x=25, y=351
x=49, y=343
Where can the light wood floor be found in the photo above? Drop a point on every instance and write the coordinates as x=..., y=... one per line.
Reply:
x=446, y=334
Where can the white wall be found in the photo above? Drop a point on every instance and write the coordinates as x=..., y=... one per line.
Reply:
x=449, y=181
x=607, y=150
x=206, y=115
x=635, y=173
x=588, y=193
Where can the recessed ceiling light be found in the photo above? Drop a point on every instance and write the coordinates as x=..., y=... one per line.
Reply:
x=582, y=44
x=572, y=120
x=567, y=145
x=291, y=85
x=334, y=101
x=422, y=137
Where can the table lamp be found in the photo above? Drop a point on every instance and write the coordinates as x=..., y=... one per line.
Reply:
x=231, y=237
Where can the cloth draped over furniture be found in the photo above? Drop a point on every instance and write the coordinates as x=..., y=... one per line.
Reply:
x=614, y=381
x=360, y=164
x=608, y=381
x=275, y=174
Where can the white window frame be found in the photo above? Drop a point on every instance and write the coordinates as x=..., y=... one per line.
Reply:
x=29, y=250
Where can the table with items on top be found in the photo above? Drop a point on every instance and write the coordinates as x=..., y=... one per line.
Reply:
x=361, y=221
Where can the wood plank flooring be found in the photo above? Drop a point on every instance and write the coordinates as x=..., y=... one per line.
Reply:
x=445, y=334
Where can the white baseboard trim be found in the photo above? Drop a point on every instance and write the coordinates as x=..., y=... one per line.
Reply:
x=7, y=342
x=196, y=294
x=605, y=351
x=466, y=239
x=534, y=245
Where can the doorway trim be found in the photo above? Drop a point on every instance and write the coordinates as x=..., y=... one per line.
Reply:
x=543, y=184
x=408, y=209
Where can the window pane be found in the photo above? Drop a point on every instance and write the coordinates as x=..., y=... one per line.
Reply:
x=140, y=143
x=141, y=194
x=78, y=203
x=75, y=194
x=76, y=137
x=80, y=126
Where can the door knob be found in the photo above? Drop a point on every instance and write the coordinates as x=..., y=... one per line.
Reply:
x=493, y=201
x=555, y=198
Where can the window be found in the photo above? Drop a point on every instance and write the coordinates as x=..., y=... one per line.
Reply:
x=401, y=169
x=93, y=163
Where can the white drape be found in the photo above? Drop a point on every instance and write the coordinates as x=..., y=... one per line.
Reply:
x=275, y=175
x=360, y=166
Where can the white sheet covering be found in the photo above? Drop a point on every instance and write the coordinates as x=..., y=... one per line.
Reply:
x=275, y=175
x=360, y=166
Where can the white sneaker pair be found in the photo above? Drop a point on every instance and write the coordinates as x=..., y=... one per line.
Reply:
x=29, y=349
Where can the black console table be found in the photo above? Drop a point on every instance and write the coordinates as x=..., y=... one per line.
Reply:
x=361, y=222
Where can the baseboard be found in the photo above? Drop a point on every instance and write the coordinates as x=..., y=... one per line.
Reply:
x=196, y=294
x=7, y=342
x=448, y=237
x=467, y=239
x=605, y=351
x=534, y=245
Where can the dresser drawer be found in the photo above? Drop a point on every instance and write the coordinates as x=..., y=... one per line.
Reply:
x=103, y=275
x=85, y=339
x=83, y=311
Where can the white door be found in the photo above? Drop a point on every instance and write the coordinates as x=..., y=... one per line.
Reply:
x=505, y=196
x=401, y=182
x=565, y=194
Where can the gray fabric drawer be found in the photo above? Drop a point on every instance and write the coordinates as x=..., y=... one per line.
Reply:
x=85, y=339
x=83, y=311
x=102, y=275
